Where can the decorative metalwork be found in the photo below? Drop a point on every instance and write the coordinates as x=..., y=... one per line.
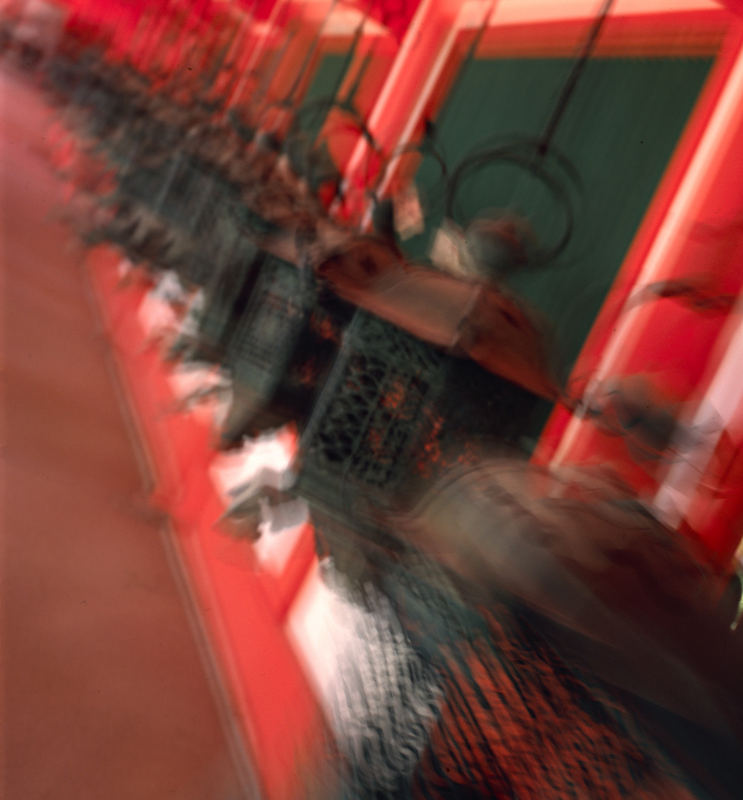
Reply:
x=372, y=413
x=266, y=333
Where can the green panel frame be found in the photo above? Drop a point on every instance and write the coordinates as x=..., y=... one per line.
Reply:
x=619, y=131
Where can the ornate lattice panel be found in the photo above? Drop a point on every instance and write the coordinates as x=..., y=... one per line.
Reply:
x=268, y=328
x=374, y=410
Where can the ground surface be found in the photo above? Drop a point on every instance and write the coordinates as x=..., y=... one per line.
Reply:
x=106, y=694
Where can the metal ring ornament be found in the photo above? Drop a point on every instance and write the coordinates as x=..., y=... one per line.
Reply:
x=557, y=175
x=324, y=106
x=424, y=148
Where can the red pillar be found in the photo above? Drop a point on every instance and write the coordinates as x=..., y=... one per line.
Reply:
x=687, y=357
x=411, y=80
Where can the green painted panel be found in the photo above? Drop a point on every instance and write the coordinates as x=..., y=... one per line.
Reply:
x=324, y=82
x=619, y=131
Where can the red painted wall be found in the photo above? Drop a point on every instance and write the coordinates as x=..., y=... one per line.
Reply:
x=393, y=14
